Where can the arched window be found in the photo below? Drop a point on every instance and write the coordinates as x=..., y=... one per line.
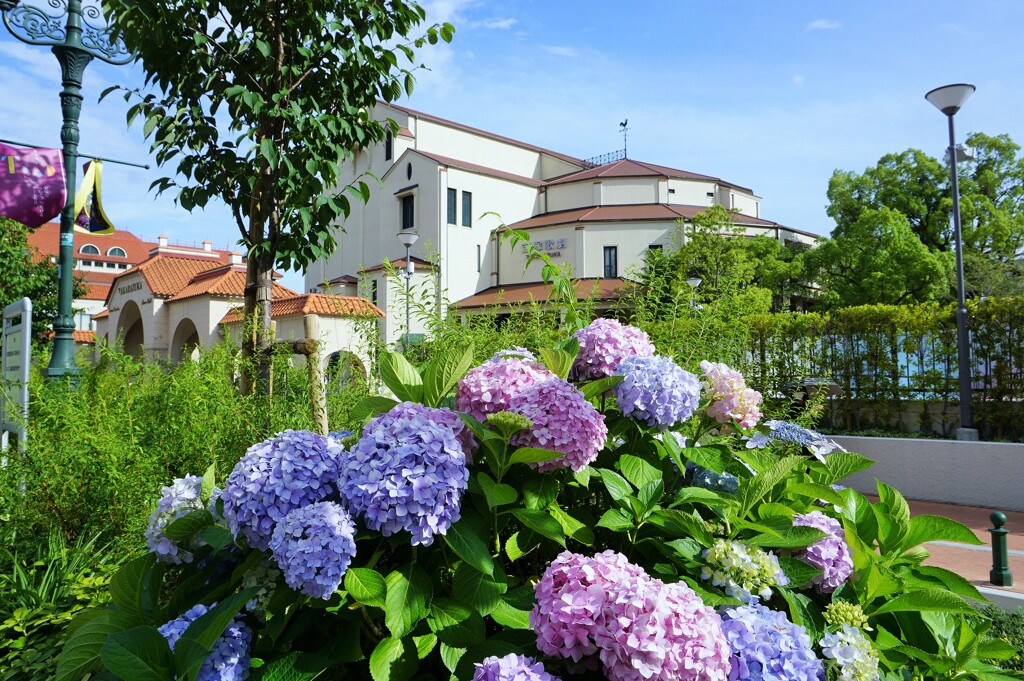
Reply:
x=117, y=252
x=89, y=249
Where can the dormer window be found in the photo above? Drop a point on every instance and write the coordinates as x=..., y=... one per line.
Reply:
x=116, y=252
x=89, y=249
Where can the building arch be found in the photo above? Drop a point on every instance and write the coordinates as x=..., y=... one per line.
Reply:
x=343, y=369
x=116, y=252
x=185, y=342
x=89, y=249
x=130, y=329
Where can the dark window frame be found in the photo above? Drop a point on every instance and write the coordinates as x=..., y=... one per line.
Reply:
x=453, y=204
x=389, y=146
x=408, y=211
x=611, y=265
x=467, y=209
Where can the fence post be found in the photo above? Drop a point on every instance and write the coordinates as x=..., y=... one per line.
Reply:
x=1000, y=574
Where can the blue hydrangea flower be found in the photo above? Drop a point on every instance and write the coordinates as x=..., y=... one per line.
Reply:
x=512, y=667
x=273, y=478
x=766, y=645
x=407, y=472
x=340, y=435
x=656, y=391
x=851, y=654
x=698, y=476
x=794, y=433
x=314, y=545
x=181, y=497
x=229, y=658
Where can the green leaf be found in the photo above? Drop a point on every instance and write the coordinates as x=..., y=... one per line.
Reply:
x=455, y=623
x=637, y=471
x=394, y=659
x=294, y=666
x=450, y=657
x=533, y=455
x=616, y=485
x=816, y=491
x=497, y=494
x=926, y=528
x=793, y=538
x=217, y=537
x=950, y=580
x=616, y=520
x=559, y=362
x=269, y=151
x=81, y=652
x=444, y=372
x=539, y=491
x=127, y=584
x=602, y=385
x=208, y=484
x=401, y=377
x=469, y=547
x=799, y=572
x=406, y=601
x=366, y=586
x=715, y=459
x=541, y=523
x=802, y=612
x=482, y=592
x=691, y=524
x=371, y=406
x=925, y=600
x=139, y=654
x=571, y=526
x=185, y=527
x=844, y=464
x=898, y=513
x=996, y=649
x=508, y=616
x=752, y=490
x=194, y=645
x=424, y=645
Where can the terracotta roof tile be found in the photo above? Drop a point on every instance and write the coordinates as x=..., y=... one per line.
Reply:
x=315, y=303
x=227, y=281
x=514, y=294
x=47, y=238
x=167, y=274
x=83, y=336
x=627, y=167
x=102, y=314
x=95, y=291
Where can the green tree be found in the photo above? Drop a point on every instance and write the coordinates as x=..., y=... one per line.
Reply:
x=25, y=272
x=259, y=104
x=879, y=259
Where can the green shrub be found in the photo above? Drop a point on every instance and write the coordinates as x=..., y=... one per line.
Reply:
x=1008, y=626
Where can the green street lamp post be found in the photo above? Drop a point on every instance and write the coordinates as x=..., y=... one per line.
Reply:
x=76, y=35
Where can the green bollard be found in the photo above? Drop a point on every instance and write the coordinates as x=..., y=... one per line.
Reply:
x=1000, y=574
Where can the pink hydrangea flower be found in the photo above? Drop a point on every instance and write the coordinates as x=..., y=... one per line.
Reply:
x=605, y=343
x=490, y=387
x=732, y=402
x=563, y=420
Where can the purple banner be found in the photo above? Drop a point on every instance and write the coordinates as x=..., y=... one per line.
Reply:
x=32, y=186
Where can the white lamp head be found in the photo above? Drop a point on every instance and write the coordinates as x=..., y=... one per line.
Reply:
x=694, y=282
x=950, y=98
x=407, y=237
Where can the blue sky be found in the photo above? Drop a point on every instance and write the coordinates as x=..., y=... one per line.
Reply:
x=771, y=96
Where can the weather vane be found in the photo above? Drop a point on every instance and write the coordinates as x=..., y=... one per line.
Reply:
x=624, y=129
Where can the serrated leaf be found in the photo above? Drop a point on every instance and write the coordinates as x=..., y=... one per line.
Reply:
x=455, y=623
x=401, y=377
x=217, y=537
x=444, y=372
x=616, y=520
x=682, y=523
x=616, y=485
x=408, y=592
x=208, y=484
x=559, y=362
x=185, y=527
x=926, y=528
x=469, y=547
x=602, y=385
x=394, y=659
x=139, y=654
x=715, y=459
x=844, y=464
x=815, y=491
x=752, y=490
x=571, y=526
x=541, y=523
x=497, y=494
x=198, y=639
x=371, y=406
x=925, y=600
x=533, y=455
x=951, y=581
x=366, y=586
x=637, y=471
x=540, y=491
x=127, y=584
x=898, y=514
x=81, y=652
x=294, y=666
x=450, y=656
x=478, y=590
x=510, y=617
x=792, y=538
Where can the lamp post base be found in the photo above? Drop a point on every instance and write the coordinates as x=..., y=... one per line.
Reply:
x=970, y=434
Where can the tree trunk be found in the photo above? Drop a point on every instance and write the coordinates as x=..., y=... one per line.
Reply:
x=259, y=281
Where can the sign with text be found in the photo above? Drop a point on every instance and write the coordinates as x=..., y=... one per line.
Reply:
x=15, y=361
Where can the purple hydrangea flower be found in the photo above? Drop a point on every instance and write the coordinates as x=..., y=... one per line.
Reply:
x=229, y=658
x=656, y=391
x=179, y=498
x=852, y=654
x=273, y=478
x=766, y=645
x=829, y=554
x=604, y=344
x=490, y=387
x=314, y=545
x=788, y=432
x=563, y=420
x=512, y=667
x=340, y=435
x=407, y=472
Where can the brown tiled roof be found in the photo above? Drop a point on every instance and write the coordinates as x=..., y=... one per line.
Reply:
x=96, y=284
x=83, y=336
x=344, y=279
x=399, y=264
x=512, y=294
x=166, y=274
x=629, y=168
x=226, y=281
x=47, y=239
x=315, y=303
x=102, y=314
x=483, y=133
x=481, y=170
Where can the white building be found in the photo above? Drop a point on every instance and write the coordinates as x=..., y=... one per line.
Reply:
x=450, y=182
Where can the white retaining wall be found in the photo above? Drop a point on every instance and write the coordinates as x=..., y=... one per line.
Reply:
x=989, y=474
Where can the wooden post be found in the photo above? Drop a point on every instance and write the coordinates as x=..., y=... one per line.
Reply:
x=268, y=362
x=317, y=387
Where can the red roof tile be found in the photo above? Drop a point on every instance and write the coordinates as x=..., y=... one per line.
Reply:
x=102, y=314
x=47, y=238
x=399, y=264
x=83, y=336
x=226, y=281
x=315, y=303
x=167, y=274
x=629, y=168
x=514, y=294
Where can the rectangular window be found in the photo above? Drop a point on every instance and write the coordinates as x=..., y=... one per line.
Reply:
x=408, y=211
x=611, y=262
x=373, y=291
x=655, y=247
x=389, y=146
x=467, y=209
x=452, y=203
x=479, y=257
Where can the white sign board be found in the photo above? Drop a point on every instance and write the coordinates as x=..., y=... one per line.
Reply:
x=15, y=361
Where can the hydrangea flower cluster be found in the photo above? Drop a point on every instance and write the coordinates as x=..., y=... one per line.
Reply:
x=852, y=653
x=732, y=402
x=314, y=546
x=262, y=575
x=705, y=478
x=766, y=645
x=656, y=391
x=181, y=497
x=604, y=344
x=788, y=432
x=273, y=478
x=490, y=387
x=829, y=554
x=839, y=613
x=512, y=667
x=641, y=628
x=563, y=420
x=229, y=657
x=407, y=472
x=743, y=572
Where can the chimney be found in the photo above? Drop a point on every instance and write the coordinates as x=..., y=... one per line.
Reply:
x=207, y=246
x=235, y=258
x=161, y=241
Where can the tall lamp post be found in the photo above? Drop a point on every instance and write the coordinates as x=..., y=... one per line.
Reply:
x=693, y=283
x=949, y=99
x=76, y=35
x=407, y=238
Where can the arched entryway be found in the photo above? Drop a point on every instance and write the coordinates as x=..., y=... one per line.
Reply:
x=185, y=343
x=130, y=330
x=344, y=369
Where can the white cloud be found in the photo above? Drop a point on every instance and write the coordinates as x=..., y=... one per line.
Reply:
x=495, y=23
x=561, y=51
x=823, y=25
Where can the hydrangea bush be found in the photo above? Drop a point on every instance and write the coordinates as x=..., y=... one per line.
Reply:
x=619, y=519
